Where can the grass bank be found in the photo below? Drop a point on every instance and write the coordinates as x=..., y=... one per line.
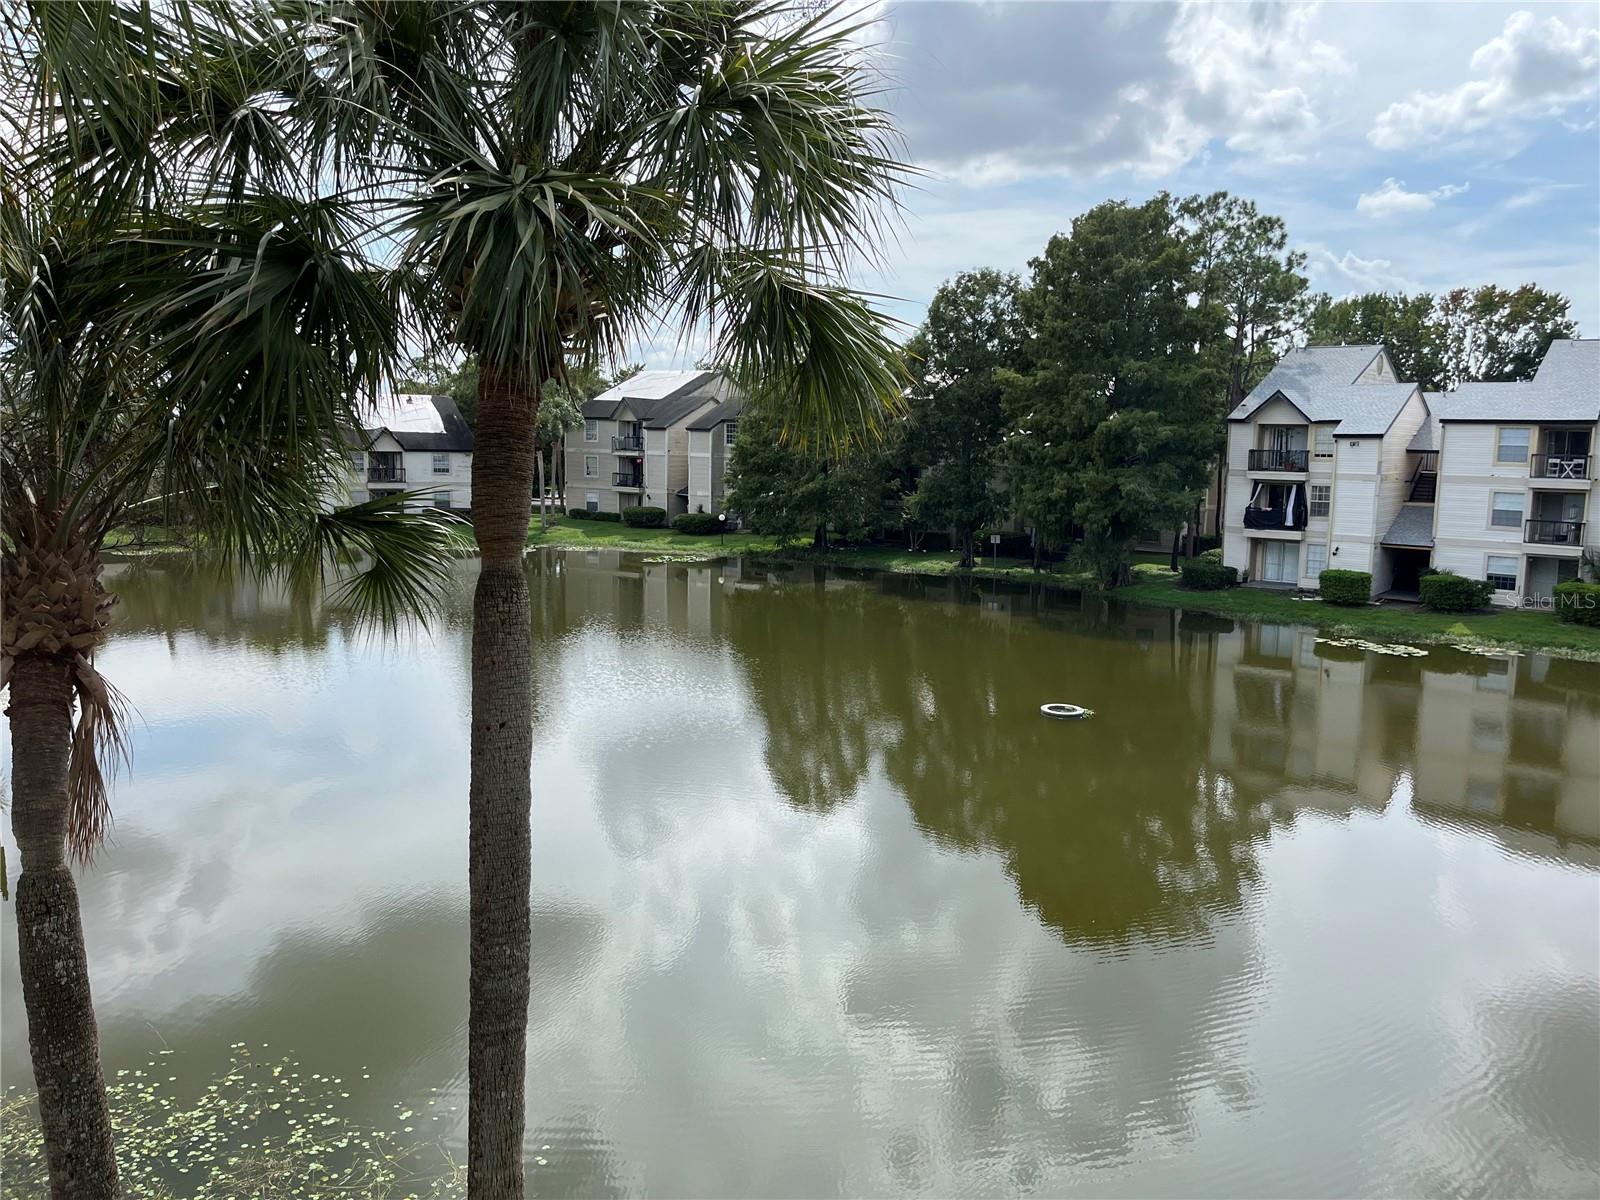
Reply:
x=567, y=533
x=1513, y=628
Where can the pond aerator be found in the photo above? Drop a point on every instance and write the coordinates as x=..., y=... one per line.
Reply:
x=1065, y=712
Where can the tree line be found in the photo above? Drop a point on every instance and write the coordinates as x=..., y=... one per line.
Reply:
x=1088, y=400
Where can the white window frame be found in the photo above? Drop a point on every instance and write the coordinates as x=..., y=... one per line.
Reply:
x=729, y=432
x=1500, y=441
x=441, y=462
x=1311, y=558
x=1312, y=501
x=591, y=501
x=1323, y=442
x=441, y=499
x=591, y=466
x=1522, y=510
x=591, y=430
x=1515, y=574
x=358, y=461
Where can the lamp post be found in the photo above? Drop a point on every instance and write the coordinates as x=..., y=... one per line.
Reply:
x=722, y=530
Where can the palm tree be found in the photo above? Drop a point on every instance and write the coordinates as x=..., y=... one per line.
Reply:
x=181, y=327
x=571, y=174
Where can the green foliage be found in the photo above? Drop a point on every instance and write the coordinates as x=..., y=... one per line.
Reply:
x=698, y=524
x=1119, y=416
x=264, y=1128
x=644, y=516
x=1212, y=555
x=1207, y=575
x=584, y=514
x=1449, y=592
x=1345, y=587
x=1578, y=603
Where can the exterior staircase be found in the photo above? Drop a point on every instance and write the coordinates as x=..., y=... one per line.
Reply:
x=1424, y=487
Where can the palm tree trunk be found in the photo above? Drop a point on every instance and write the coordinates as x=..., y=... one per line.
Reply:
x=501, y=840
x=62, y=1039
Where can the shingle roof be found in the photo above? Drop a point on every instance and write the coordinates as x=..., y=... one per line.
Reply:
x=648, y=394
x=728, y=410
x=1566, y=387
x=1321, y=381
x=1412, y=526
x=1427, y=435
x=418, y=422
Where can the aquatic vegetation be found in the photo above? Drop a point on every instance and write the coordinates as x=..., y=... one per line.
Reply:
x=264, y=1129
x=1398, y=649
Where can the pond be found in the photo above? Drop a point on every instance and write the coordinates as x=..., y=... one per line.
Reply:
x=823, y=906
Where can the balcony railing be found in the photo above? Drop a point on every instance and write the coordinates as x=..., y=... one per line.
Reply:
x=627, y=479
x=628, y=442
x=1559, y=466
x=1273, y=518
x=1554, y=533
x=1277, y=460
x=381, y=474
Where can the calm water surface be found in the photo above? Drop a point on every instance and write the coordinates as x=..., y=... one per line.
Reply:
x=823, y=907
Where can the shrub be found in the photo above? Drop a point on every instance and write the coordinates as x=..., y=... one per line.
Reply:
x=644, y=516
x=592, y=514
x=1204, y=575
x=1454, y=593
x=1212, y=555
x=1578, y=603
x=1345, y=587
x=579, y=514
x=1206, y=543
x=698, y=523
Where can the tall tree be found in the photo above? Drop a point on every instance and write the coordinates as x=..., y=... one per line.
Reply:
x=1497, y=334
x=973, y=330
x=1406, y=326
x=569, y=174
x=1122, y=402
x=184, y=325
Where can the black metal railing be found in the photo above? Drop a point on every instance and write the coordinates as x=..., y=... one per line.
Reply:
x=1273, y=518
x=1554, y=533
x=1277, y=460
x=386, y=474
x=628, y=441
x=1559, y=466
x=627, y=479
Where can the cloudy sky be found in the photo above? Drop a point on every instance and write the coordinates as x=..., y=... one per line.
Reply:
x=1408, y=145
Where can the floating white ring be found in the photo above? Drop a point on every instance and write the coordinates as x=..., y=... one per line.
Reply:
x=1065, y=712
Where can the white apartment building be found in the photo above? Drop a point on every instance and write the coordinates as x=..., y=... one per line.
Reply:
x=634, y=445
x=1332, y=462
x=413, y=443
x=711, y=438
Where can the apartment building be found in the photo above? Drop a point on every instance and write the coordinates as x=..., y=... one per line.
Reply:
x=711, y=438
x=413, y=443
x=1333, y=462
x=633, y=447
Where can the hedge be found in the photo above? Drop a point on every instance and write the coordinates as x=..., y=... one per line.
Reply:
x=1203, y=575
x=1578, y=603
x=1345, y=587
x=592, y=514
x=698, y=523
x=644, y=516
x=1454, y=593
x=1212, y=555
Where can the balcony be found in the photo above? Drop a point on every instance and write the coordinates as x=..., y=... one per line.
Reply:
x=386, y=474
x=628, y=443
x=1274, y=518
x=1278, y=460
x=1566, y=467
x=1554, y=533
x=627, y=479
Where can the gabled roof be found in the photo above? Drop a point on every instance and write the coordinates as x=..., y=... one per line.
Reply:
x=654, y=396
x=1566, y=387
x=1412, y=526
x=727, y=411
x=417, y=422
x=1427, y=435
x=1325, y=383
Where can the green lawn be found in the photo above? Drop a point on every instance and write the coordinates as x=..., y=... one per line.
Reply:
x=610, y=535
x=1519, y=629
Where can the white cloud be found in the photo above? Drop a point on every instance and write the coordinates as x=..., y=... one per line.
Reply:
x=1532, y=68
x=1392, y=199
x=1344, y=273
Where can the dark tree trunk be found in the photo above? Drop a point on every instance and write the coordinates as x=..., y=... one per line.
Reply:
x=501, y=838
x=967, y=559
x=62, y=1039
x=819, y=538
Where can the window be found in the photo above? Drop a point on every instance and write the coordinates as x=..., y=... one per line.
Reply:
x=591, y=466
x=358, y=461
x=1321, y=499
x=591, y=501
x=441, y=463
x=358, y=497
x=1501, y=570
x=441, y=499
x=591, y=431
x=1324, y=444
x=1505, y=512
x=729, y=432
x=1512, y=446
x=1316, y=558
